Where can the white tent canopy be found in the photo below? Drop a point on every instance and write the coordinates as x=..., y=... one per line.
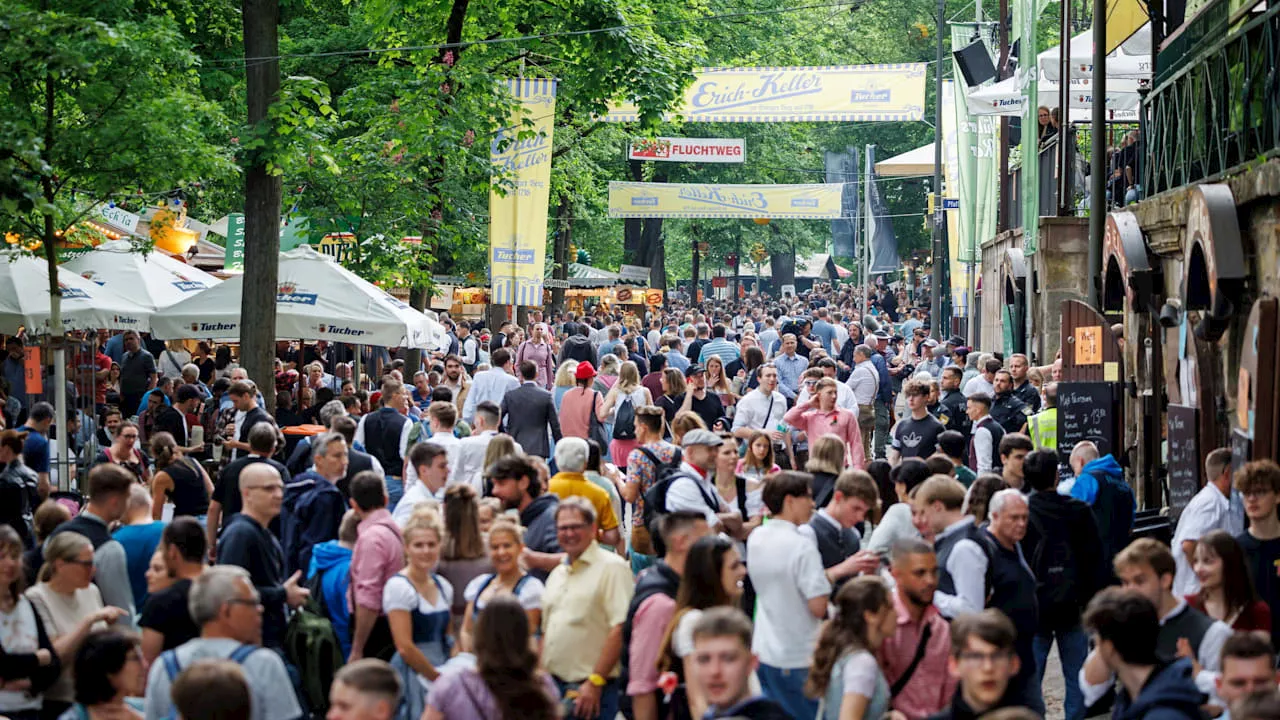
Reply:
x=24, y=300
x=1130, y=61
x=909, y=163
x=154, y=280
x=1006, y=98
x=317, y=299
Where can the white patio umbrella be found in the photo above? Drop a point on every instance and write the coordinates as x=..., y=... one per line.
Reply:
x=317, y=299
x=154, y=280
x=24, y=300
x=1130, y=61
x=1007, y=98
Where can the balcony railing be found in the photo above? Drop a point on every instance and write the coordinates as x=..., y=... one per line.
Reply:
x=1216, y=101
x=1048, y=159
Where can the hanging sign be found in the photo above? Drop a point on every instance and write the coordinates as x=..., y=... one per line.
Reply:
x=854, y=93
x=638, y=273
x=707, y=150
x=120, y=217
x=518, y=213
x=233, y=261
x=1089, y=345
x=31, y=370
x=692, y=200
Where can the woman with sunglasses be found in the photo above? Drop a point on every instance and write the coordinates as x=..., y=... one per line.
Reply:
x=70, y=607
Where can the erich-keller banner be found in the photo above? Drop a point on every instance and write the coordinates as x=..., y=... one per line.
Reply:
x=691, y=200
x=798, y=94
x=518, y=219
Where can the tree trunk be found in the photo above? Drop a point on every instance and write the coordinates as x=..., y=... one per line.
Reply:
x=418, y=296
x=262, y=192
x=782, y=264
x=696, y=272
x=560, y=252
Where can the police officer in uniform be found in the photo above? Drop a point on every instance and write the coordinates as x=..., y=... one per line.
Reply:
x=1043, y=426
x=1007, y=409
x=1022, y=387
x=952, y=401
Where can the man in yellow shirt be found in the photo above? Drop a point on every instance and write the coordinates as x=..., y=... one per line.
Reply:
x=571, y=460
x=584, y=607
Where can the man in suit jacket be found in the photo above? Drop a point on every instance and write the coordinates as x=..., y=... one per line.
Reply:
x=839, y=544
x=535, y=412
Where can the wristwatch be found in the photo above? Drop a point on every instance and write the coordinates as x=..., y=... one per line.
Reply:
x=596, y=679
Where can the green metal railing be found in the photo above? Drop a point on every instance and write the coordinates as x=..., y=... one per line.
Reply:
x=1215, y=105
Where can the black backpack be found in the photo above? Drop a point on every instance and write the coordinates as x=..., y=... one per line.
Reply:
x=624, y=422
x=1059, y=586
x=655, y=498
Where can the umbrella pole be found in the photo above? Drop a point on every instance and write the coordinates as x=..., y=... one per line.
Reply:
x=355, y=368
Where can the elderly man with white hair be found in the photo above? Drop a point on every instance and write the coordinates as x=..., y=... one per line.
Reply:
x=1013, y=587
x=571, y=480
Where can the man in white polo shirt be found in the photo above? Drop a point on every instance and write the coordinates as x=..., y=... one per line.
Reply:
x=791, y=592
x=1211, y=509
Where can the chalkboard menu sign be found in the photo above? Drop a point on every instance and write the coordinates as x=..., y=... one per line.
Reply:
x=1183, y=459
x=1087, y=411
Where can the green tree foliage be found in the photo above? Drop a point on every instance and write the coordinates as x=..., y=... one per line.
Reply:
x=99, y=102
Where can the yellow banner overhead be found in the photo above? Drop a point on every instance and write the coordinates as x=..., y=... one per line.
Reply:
x=691, y=200
x=518, y=215
x=797, y=94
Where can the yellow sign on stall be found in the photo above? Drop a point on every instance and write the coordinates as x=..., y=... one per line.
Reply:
x=518, y=212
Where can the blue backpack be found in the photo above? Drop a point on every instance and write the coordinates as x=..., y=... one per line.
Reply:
x=173, y=668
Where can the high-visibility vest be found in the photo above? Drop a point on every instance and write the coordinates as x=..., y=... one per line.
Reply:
x=1043, y=429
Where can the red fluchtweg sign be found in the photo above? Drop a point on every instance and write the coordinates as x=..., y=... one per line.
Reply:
x=708, y=150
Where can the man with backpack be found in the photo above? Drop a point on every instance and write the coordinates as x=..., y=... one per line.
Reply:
x=652, y=608
x=1061, y=547
x=313, y=506
x=653, y=459
x=690, y=487
x=227, y=608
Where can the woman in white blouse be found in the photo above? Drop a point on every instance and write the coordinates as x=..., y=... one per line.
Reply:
x=505, y=544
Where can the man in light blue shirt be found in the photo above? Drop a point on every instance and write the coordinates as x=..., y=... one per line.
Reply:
x=675, y=358
x=492, y=384
x=606, y=347
x=825, y=331
x=720, y=347
x=790, y=367
x=768, y=337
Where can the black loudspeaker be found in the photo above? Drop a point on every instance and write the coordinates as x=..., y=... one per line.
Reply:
x=975, y=63
x=1015, y=131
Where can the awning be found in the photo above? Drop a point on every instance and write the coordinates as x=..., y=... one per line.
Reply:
x=908, y=164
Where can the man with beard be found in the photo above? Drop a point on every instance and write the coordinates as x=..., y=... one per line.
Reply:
x=1007, y=408
x=515, y=483
x=928, y=686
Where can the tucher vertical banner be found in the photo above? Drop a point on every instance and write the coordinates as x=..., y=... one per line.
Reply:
x=518, y=208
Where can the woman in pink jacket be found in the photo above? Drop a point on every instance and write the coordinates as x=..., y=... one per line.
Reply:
x=538, y=349
x=820, y=416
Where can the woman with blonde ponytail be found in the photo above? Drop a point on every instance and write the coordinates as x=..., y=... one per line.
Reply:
x=845, y=676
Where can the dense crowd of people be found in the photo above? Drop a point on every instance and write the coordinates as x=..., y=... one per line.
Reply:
x=764, y=508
